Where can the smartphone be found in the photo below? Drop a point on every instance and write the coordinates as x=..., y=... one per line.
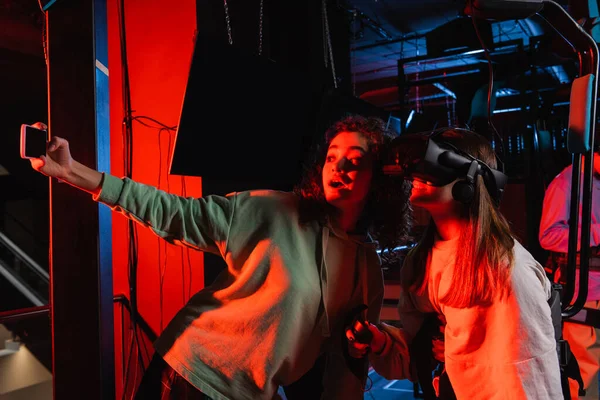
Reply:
x=33, y=142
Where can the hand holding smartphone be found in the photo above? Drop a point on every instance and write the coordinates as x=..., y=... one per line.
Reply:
x=53, y=159
x=33, y=142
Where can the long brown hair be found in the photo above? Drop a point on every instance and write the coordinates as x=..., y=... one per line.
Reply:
x=484, y=257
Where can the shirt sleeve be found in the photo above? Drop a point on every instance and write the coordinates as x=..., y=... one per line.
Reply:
x=393, y=362
x=554, y=224
x=201, y=223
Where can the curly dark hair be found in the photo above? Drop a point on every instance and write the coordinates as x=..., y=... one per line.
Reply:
x=387, y=216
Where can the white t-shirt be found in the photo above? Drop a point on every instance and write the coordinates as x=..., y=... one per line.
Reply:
x=503, y=351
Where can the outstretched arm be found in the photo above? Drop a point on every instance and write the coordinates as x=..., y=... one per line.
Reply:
x=199, y=223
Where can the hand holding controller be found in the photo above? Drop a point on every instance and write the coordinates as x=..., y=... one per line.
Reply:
x=360, y=331
x=362, y=336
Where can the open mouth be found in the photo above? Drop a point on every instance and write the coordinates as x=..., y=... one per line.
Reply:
x=336, y=184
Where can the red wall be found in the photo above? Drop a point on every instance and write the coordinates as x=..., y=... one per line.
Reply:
x=159, y=47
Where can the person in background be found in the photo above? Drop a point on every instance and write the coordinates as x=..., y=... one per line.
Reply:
x=489, y=293
x=554, y=236
x=297, y=264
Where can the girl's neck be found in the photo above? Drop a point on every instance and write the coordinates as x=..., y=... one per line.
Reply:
x=347, y=220
x=448, y=225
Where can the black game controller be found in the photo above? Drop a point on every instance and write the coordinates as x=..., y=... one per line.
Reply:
x=359, y=327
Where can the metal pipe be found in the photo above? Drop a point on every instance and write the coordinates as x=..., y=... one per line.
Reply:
x=23, y=313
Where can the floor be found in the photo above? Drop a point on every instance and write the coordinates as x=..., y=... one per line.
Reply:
x=382, y=389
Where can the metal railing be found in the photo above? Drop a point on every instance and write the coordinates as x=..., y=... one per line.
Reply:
x=26, y=275
x=23, y=313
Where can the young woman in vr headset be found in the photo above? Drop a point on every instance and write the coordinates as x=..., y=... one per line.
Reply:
x=468, y=272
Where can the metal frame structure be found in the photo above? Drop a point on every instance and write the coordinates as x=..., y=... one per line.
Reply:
x=81, y=231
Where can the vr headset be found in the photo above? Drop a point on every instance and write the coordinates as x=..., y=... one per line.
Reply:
x=426, y=157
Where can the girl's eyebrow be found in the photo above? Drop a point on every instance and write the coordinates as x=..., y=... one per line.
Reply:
x=363, y=151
